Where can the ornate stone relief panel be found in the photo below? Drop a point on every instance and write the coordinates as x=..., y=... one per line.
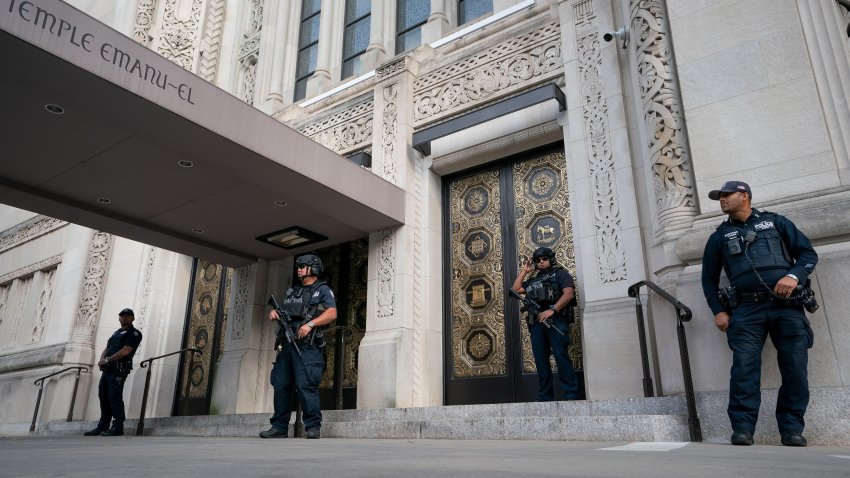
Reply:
x=477, y=278
x=211, y=43
x=344, y=131
x=93, y=283
x=512, y=65
x=25, y=297
x=386, y=265
x=543, y=219
x=145, y=11
x=390, y=124
x=663, y=116
x=178, y=39
x=610, y=251
x=28, y=230
x=249, y=51
x=147, y=282
x=241, y=308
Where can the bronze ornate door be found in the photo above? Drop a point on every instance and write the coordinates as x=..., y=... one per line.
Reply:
x=495, y=219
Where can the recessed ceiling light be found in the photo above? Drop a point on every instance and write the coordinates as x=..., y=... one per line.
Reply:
x=280, y=203
x=198, y=231
x=292, y=237
x=55, y=109
x=104, y=200
x=185, y=164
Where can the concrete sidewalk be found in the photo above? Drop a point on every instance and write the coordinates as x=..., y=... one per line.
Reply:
x=332, y=457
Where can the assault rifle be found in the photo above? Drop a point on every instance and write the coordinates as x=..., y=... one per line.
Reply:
x=285, y=329
x=532, y=309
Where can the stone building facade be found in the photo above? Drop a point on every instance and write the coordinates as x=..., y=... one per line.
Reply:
x=610, y=166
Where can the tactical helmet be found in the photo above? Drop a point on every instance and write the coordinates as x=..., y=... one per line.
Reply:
x=316, y=267
x=544, y=252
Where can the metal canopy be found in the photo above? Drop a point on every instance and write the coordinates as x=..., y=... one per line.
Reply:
x=133, y=120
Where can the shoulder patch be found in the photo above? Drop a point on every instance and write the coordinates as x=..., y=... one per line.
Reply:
x=764, y=225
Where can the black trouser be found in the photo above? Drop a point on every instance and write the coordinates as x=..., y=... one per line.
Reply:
x=303, y=372
x=110, y=391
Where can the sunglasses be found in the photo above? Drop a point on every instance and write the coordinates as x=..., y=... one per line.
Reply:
x=302, y=266
x=541, y=259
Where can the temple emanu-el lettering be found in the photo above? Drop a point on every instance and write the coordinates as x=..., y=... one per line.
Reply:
x=175, y=156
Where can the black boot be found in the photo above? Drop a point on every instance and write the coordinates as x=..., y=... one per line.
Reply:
x=112, y=432
x=95, y=432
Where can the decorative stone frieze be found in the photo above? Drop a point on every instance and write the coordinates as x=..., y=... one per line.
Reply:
x=249, y=52
x=147, y=282
x=391, y=68
x=386, y=296
x=610, y=251
x=43, y=306
x=24, y=271
x=92, y=290
x=344, y=131
x=145, y=10
x=211, y=43
x=179, y=35
x=28, y=230
x=512, y=65
x=663, y=115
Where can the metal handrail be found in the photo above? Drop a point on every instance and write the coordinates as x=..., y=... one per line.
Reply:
x=40, y=382
x=145, y=364
x=683, y=314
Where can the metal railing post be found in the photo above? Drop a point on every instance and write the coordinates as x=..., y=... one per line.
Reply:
x=683, y=314
x=147, y=363
x=648, y=389
x=40, y=383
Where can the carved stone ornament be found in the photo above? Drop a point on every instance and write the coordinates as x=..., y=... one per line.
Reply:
x=344, y=131
x=179, y=35
x=28, y=230
x=391, y=68
x=663, y=114
x=143, y=21
x=240, y=311
x=249, y=52
x=610, y=252
x=390, y=123
x=386, y=299
x=147, y=283
x=41, y=265
x=510, y=66
x=93, y=283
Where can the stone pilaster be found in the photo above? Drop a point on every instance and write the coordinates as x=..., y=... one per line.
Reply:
x=606, y=228
x=398, y=355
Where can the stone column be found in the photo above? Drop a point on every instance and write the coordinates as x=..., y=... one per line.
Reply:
x=322, y=76
x=400, y=361
x=607, y=233
x=438, y=23
x=376, y=52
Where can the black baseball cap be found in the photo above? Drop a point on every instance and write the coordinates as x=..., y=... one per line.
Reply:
x=731, y=187
x=127, y=312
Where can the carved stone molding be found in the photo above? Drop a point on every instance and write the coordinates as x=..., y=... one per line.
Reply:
x=390, y=123
x=145, y=11
x=344, y=131
x=610, y=251
x=240, y=311
x=179, y=35
x=43, y=306
x=249, y=52
x=28, y=230
x=92, y=290
x=37, y=266
x=211, y=43
x=663, y=115
x=386, y=300
x=512, y=65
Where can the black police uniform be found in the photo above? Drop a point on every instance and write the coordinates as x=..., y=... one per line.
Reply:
x=545, y=288
x=305, y=371
x=773, y=246
x=110, y=389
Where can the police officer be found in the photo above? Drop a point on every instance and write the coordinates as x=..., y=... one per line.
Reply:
x=766, y=258
x=310, y=306
x=115, y=362
x=553, y=289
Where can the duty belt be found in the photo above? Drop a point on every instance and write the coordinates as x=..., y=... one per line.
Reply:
x=760, y=296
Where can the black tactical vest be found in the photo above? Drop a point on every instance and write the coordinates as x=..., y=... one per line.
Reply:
x=543, y=288
x=760, y=241
x=297, y=300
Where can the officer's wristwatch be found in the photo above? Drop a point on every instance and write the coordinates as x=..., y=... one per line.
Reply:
x=309, y=324
x=553, y=309
x=793, y=277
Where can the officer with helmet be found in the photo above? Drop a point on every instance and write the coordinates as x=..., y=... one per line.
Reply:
x=553, y=289
x=310, y=305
